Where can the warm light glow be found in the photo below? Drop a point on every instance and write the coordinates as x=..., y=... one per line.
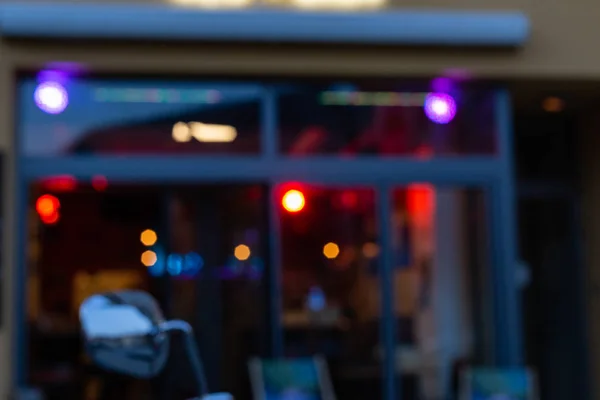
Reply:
x=293, y=201
x=553, y=104
x=420, y=203
x=48, y=208
x=370, y=250
x=333, y=5
x=338, y=5
x=51, y=219
x=242, y=252
x=213, y=133
x=209, y=133
x=213, y=3
x=181, y=132
x=331, y=250
x=148, y=237
x=47, y=205
x=148, y=258
x=61, y=183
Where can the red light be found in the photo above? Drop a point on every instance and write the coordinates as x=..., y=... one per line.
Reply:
x=51, y=219
x=293, y=201
x=47, y=207
x=420, y=199
x=62, y=183
x=349, y=199
x=99, y=183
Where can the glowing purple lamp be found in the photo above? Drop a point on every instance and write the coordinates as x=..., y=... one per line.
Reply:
x=440, y=107
x=51, y=97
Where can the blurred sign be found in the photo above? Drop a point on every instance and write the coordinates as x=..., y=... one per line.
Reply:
x=291, y=379
x=498, y=384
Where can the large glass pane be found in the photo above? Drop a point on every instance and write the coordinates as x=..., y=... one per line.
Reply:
x=198, y=249
x=331, y=295
x=391, y=119
x=441, y=288
x=60, y=115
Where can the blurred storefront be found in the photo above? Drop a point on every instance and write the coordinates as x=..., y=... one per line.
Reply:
x=290, y=182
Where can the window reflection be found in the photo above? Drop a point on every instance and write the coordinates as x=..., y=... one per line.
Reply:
x=62, y=115
x=353, y=122
x=225, y=302
x=197, y=249
x=332, y=289
x=439, y=285
x=331, y=285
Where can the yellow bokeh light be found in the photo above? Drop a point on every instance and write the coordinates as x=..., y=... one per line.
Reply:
x=148, y=237
x=181, y=132
x=293, y=201
x=331, y=250
x=242, y=252
x=148, y=258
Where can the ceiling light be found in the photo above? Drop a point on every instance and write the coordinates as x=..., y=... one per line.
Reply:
x=181, y=132
x=213, y=133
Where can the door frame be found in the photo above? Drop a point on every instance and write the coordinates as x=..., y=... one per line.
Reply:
x=493, y=174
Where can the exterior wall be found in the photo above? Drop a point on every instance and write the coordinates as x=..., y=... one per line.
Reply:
x=7, y=253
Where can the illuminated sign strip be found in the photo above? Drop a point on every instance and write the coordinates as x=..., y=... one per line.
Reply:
x=119, y=21
x=381, y=99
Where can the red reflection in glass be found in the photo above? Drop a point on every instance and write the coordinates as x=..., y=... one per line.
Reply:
x=99, y=183
x=420, y=200
x=62, y=183
x=349, y=199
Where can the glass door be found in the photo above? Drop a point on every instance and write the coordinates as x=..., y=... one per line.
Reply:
x=201, y=250
x=390, y=286
x=439, y=284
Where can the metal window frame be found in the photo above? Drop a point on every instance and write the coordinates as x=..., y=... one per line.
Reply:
x=492, y=174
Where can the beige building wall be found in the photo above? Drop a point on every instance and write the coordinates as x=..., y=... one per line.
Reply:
x=7, y=254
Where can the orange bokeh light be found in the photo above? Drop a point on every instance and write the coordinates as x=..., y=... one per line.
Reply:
x=47, y=205
x=50, y=219
x=293, y=201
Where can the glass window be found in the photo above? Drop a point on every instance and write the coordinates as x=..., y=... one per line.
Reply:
x=199, y=250
x=331, y=287
x=61, y=116
x=391, y=120
x=441, y=287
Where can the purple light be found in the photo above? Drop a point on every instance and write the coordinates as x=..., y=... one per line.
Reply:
x=51, y=97
x=440, y=108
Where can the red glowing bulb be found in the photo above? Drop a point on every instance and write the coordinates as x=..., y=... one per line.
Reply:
x=47, y=205
x=293, y=201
